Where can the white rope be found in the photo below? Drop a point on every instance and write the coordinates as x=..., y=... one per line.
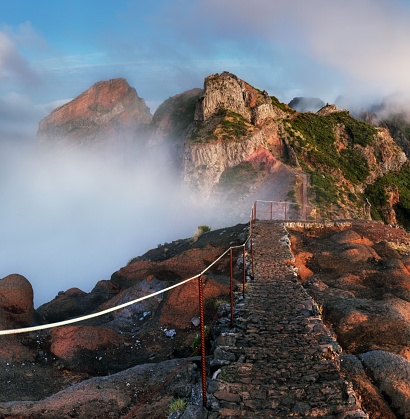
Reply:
x=109, y=310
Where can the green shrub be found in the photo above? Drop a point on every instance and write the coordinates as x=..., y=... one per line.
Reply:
x=197, y=339
x=176, y=404
x=204, y=228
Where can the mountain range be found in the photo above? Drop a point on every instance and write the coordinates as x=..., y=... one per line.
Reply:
x=234, y=143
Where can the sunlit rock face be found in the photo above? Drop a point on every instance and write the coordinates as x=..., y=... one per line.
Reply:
x=107, y=113
x=233, y=121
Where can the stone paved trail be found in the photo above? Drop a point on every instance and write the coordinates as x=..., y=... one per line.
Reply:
x=279, y=360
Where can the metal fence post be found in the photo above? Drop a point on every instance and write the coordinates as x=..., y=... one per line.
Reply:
x=271, y=210
x=254, y=213
x=231, y=289
x=244, y=273
x=285, y=209
x=201, y=314
x=252, y=222
x=253, y=270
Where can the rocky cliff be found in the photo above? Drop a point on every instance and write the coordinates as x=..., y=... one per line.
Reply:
x=109, y=112
x=233, y=121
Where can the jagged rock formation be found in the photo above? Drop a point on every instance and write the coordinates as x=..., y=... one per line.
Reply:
x=109, y=112
x=227, y=91
x=233, y=121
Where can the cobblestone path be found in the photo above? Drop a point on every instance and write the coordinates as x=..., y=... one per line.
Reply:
x=279, y=360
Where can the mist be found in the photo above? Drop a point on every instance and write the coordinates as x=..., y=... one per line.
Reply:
x=70, y=219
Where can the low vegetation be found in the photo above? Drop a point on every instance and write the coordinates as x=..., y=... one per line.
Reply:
x=281, y=106
x=377, y=195
x=225, y=125
x=329, y=147
x=177, y=404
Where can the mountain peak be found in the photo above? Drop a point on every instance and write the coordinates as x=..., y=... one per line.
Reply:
x=92, y=116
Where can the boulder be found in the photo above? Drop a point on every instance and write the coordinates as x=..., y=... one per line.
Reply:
x=392, y=376
x=68, y=341
x=16, y=301
x=16, y=311
x=372, y=398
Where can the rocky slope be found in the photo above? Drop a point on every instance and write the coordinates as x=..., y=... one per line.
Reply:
x=110, y=364
x=108, y=113
x=360, y=278
x=152, y=334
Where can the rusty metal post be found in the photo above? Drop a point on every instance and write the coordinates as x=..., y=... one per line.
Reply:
x=306, y=215
x=317, y=210
x=201, y=314
x=254, y=213
x=271, y=210
x=285, y=210
x=252, y=222
x=231, y=289
x=297, y=212
x=253, y=270
x=244, y=273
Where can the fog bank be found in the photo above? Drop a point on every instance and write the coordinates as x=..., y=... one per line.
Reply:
x=70, y=219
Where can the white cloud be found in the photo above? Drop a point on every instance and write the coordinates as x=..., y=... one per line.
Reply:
x=13, y=65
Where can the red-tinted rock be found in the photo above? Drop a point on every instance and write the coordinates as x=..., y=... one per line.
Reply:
x=67, y=341
x=182, y=303
x=16, y=300
x=16, y=311
x=107, y=112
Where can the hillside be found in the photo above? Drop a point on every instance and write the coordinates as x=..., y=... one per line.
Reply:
x=236, y=124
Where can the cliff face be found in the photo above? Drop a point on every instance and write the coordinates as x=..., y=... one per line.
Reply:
x=205, y=163
x=384, y=156
x=227, y=91
x=233, y=121
x=105, y=113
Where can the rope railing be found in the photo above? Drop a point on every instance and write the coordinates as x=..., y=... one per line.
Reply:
x=111, y=309
x=201, y=305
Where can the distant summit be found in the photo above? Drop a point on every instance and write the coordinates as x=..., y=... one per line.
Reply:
x=108, y=113
x=306, y=104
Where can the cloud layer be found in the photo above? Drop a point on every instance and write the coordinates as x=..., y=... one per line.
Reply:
x=70, y=219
